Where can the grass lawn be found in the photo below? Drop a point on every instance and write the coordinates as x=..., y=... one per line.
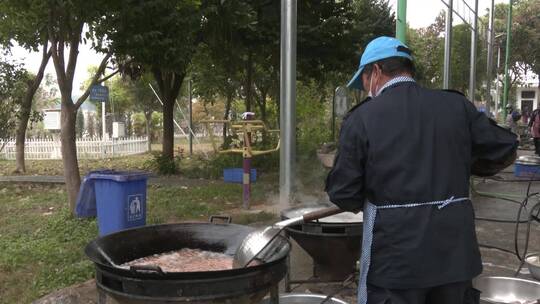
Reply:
x=132, y=162
x=55, y=167
x=41, y=244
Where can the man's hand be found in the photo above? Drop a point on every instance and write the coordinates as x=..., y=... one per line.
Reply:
x=484, y=167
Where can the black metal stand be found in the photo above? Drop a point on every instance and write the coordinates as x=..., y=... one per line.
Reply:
x=102, y=297
x=274, y=295
x=313, y=280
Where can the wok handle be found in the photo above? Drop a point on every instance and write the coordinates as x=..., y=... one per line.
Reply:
x=315, y=215
x=226, y=219
x=146, y=269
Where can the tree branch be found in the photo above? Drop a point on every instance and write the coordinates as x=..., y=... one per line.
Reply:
x=94, y=81
x=60, y=73
x=178, y=79
x=47, y=53
x=159, y=79
x=57, y=64
x=108, y=76
x=74, y=51
x=60, y=49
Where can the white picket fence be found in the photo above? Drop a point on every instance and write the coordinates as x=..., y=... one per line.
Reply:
x=87, y=148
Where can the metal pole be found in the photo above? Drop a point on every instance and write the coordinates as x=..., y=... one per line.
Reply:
x=474, y=42
x=246, y=166
x=498, y=97
x=401, y=22
x=448, y=45
x=334, y=116
x=507, y=57
x=490, y=37
x=288, y=101
x=103, y=130
x=103, y=122
x=174, y=120
x=190, y=119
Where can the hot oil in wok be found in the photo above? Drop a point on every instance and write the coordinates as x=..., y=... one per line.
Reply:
x=186, y=260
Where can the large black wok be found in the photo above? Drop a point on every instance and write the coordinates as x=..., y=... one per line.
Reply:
x=244, y=285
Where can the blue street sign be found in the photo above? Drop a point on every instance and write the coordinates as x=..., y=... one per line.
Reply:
x=99, y=93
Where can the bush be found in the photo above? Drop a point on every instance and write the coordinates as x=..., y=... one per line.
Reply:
x=163, y=165
x=312, y=120
x=213, y=168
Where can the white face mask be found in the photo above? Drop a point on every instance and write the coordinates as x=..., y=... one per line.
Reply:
x=369, y=89
x=370, y=94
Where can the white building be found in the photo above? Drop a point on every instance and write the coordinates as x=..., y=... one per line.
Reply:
x=88, y=109
x=528, y=98
x=528, y=95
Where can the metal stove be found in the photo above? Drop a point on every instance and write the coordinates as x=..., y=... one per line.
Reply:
x=334, y=244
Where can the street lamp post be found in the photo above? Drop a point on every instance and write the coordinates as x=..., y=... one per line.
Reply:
x=448, y=45
x=507, y=57
x=190, y=97
x=401, y=22
x=474, y=38
x=288, y=101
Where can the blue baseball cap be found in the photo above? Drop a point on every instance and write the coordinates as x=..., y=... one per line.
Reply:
x=378, y=49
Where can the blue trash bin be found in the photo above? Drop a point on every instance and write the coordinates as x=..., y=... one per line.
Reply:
x=120, y=200
x=86, y=199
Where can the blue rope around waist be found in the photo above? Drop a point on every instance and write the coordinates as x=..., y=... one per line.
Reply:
x=370, y=213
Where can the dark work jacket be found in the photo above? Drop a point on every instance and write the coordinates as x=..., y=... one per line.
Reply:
x=412, y=144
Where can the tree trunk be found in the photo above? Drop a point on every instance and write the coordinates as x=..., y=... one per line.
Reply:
x=169, y=84
x=148, y=118
x=249, y=82
x=262, y=106
x=65, y=74
x=261, y=103
x=276, y=96
x=20, y=137
x=228, y=105
x=69, y=151
x=26, y=108
x=168, y=128
x=129, y=125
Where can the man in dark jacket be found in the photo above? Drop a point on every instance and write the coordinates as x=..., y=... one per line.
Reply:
x=534, y=125
x=405, y=157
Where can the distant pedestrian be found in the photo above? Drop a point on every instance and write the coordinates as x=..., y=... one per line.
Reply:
x=512, y=117
x=534, y=125
x=525, y=116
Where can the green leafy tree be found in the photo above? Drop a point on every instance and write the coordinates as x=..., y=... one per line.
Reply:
x=18, y=24
x=142, y=99
x=12, y=81
x=428, y=50
x=526, y=36
x=213, y=78
x=525, y=45
x=242, y=43
x=159, y=36
x=65, y=21
x=120, y=97
x=460, y=66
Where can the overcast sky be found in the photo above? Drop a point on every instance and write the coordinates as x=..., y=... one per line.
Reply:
x=420, y=13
